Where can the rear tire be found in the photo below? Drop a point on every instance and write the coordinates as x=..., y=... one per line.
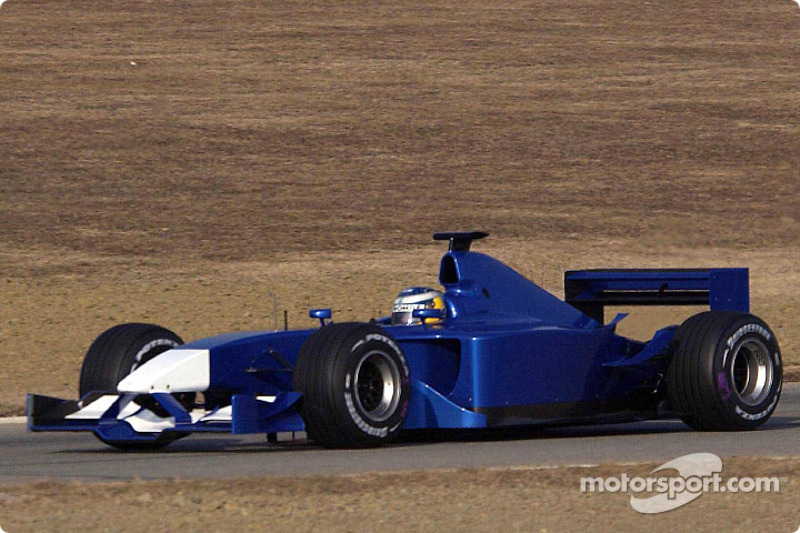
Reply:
x=115, y=354
x=355, y=385
x=726, y=372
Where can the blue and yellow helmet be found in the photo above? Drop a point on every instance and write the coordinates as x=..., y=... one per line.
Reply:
x=415, y=298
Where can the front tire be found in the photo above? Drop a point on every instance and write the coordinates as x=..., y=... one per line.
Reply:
x=115, y=354
x=726, y=372
x=355, y=384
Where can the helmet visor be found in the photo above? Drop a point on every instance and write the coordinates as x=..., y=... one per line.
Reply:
x=403, y=317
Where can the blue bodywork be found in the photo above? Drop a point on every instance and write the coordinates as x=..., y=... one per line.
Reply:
x=506, y=353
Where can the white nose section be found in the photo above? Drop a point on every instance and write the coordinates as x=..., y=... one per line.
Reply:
x=172, y=371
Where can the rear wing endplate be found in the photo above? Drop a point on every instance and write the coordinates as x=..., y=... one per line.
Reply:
x=590, y=291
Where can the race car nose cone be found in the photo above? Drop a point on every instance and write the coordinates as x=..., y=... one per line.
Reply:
x=172, y=371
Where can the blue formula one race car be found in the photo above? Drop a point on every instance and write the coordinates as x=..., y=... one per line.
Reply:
x=491, y=350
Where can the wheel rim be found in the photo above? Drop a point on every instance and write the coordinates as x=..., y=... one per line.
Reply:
x=751, y=372
x=377, y=386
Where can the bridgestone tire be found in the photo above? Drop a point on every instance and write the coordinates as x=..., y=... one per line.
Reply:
x=355, y=385
x=115, y=354
x=726, y=372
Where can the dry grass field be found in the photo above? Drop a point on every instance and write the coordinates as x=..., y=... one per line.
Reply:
x=235, y=130
x=203, y=164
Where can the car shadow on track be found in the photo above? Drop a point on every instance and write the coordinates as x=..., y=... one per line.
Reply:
x=572, y=431
x=209, y=444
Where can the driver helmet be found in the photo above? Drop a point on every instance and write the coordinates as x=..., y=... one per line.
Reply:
x=415, y=298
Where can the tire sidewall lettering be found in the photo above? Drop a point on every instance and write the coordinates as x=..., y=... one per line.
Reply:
x=748, y=328
x=722, y=371
x=370, y=343
x=148, y=347
x=363, y=425
x=340, y=406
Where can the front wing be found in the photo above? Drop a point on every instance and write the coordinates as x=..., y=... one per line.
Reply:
x=118, y=417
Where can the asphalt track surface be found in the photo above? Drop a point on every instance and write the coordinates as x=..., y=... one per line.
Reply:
x=79, y=456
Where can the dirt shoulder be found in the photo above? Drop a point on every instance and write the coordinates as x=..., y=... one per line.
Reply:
x=525, y=499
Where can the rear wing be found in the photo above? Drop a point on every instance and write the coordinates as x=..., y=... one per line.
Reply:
x=590, y=291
